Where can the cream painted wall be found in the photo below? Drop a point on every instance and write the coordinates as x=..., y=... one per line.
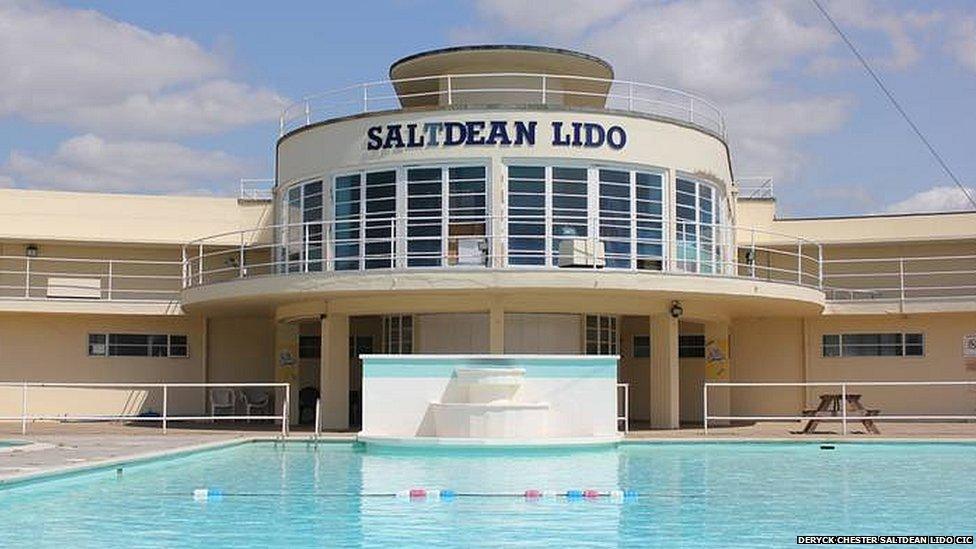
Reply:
x=241, y=349
x=119, y=218
x=943, y=360
x=55, y=348
x=766, y=349
x=451, y=333
x=321, y=151
x=543, y=334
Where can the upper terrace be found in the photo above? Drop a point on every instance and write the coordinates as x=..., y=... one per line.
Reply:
x=504, y=76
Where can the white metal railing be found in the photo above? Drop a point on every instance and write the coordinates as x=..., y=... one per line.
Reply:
x=73, y=278
x=163, y=417
x=256, y=189
x=509, y=88
x=754, y=187
x=844, y=416
x=900, y=279
x=385, y=244
x=623, y=412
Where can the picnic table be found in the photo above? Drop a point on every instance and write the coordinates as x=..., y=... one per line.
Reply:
x=830, y=404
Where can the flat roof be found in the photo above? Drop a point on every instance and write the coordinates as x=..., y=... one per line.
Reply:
x=502, y=47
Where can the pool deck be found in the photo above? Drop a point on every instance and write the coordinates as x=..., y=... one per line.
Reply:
x=57, y=448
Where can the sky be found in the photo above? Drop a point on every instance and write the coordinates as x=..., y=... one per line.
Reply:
x=183, y=96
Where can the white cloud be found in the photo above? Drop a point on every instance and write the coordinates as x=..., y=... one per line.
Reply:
x=961, y=42
x=85, y=70
x=936, y=199
x=91, y=163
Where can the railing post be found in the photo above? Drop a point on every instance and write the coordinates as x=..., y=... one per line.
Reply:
x=286, y=404
x=200, y=265
x=630, y=96
x=308, y=113
x=110, y=263
x=820, y=260
x=450, y=97
x=165, y=406
x=365, y=98
x=544, y=89
x=318, y=418
x=23, y=411
x=705, y=405
x=691, y=110
x=183, y=278
x=901, y=281
x=305, y=248
x=843, y=407
x=752, y=251
x=27, y=281
x=281, y=124
x=240, y=259
x=799, y=261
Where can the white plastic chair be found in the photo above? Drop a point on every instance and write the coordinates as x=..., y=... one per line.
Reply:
x=254, y=400
x=222, y=398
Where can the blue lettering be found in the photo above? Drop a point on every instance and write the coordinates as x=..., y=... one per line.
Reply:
x=498, y=135
x=475, y=136
x=394, y=139
x=576, y=134
x=374, y=138
x=432, y=129
x=525, y=133
x=558, y=139
x=594, y=135
x=616, y=137
x=454, y=133
x=413, y=139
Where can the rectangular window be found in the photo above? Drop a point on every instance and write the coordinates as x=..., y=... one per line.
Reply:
x=642, y=346
x=691, y=346
x=309, y=347
x=398, y=334
x=526, y=215
x=346, y=236
x=615, y=219
x=424, y=223
x=601, y=335
x=569, y=209
x=467, y=208
x=866, y=345
x=144, y=345
x=380, y=231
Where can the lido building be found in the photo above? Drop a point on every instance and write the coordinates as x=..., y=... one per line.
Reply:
x=487, y=200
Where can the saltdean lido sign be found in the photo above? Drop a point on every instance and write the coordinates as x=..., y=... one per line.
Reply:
x=495, y=132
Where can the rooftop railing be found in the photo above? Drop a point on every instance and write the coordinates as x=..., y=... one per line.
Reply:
x=89, y=279
x=509, y=89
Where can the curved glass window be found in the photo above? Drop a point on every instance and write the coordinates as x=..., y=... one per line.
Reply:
x=549, y=222
x=303, y=237
x=698, y=212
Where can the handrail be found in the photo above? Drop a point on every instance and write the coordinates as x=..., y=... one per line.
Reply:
x=384, y=244
x=164, y=418
x=536, y=89
x=844, y=416
x=624, y=414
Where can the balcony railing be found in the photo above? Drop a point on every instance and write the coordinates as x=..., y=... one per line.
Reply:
x=509, y=89
x=392, y=245
x=365, y=244
x=89, y=279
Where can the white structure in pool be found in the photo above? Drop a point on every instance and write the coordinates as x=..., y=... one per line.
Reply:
x=501, y=399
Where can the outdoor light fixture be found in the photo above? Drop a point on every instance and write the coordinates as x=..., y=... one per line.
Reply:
x=676, y=310
x=31, y=250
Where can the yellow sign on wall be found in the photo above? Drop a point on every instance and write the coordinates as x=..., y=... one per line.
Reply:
x=717, y=359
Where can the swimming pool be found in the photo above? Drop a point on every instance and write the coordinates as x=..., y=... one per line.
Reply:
x=691, y=494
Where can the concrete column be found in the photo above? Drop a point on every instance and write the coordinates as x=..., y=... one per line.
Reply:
x=496, y=328
x=334, y=370
x=717, y=368
x=286, y=363
x=664, y=372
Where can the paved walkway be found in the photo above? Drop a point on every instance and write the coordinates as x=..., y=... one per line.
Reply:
x=65, y=447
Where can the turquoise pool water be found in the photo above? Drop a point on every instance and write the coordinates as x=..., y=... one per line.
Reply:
x=691, y=495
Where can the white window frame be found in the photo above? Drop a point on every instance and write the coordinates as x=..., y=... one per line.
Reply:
x=841, y=345
x=106, y=353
